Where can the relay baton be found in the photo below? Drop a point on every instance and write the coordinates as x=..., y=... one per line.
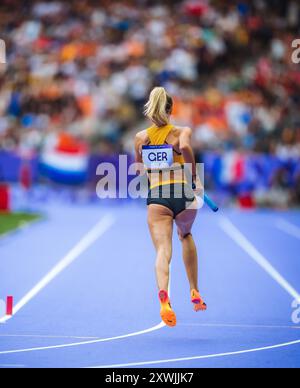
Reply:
x=209, y=202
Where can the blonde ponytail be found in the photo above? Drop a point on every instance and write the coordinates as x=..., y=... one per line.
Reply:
x=158, y=107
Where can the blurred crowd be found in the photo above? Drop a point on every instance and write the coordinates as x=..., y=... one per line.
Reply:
x=86, y=67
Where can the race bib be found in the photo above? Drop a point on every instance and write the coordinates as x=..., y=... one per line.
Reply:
x=158, y=157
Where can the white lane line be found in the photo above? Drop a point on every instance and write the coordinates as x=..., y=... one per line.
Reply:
x=94, y=234
x=45, y=336
x=246, y=245
x=183, y=359
x=92, y=342
x=288, y=228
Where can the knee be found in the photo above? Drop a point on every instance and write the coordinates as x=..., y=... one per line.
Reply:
x=184, y=236
x=165, y=253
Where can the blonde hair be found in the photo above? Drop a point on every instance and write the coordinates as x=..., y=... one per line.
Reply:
x=159, y=107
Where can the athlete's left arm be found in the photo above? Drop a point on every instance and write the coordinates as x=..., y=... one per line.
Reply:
x=185, y=145
x=137, y=146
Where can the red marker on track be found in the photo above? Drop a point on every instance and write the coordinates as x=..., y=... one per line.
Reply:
x=9, y=305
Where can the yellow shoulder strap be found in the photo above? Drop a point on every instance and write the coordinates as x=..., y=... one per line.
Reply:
x=157, y=135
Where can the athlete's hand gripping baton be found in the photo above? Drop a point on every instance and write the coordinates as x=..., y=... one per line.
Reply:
x=209, y=202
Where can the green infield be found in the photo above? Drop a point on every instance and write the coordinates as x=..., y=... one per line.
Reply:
x=12, y=221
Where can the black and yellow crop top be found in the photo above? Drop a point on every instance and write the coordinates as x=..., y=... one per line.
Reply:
x=165, y=166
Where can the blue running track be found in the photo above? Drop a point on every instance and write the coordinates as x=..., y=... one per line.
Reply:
x=99, y=307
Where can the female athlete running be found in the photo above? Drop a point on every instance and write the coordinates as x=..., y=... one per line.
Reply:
x=164, y=149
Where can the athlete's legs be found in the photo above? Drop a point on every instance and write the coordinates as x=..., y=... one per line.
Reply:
x=160, y=221
x=184, y=222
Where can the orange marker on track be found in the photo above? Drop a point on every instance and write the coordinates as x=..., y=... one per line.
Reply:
x=9, y=305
